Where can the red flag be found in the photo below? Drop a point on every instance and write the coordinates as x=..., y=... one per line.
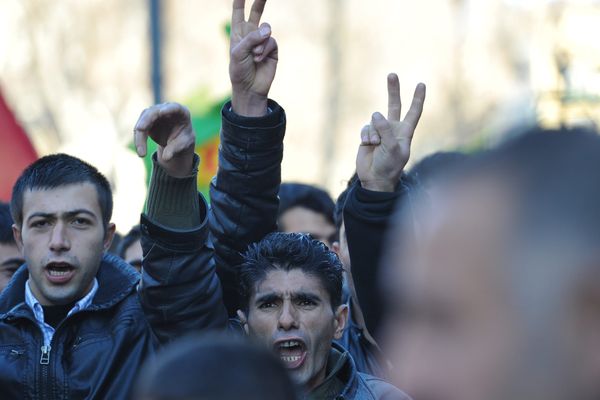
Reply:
x=16, y=151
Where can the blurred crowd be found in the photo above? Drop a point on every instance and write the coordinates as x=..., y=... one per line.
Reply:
x=466, y=277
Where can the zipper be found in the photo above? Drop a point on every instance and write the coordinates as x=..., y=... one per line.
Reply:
x=45, y=358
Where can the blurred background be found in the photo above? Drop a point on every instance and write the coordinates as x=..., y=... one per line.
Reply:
x=75, y=75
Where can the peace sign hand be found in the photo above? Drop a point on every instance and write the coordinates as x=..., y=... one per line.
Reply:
x=385, y=143
x=253, y=60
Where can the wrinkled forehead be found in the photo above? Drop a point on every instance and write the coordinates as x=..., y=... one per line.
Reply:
x=288, y=283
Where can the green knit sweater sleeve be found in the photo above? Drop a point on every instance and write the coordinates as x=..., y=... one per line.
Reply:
x=173, y=202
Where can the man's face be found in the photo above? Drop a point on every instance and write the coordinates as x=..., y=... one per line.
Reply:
x=453, y=333
x=10, y=260
x=290, y=312
x=63, y=239
x=304, y=220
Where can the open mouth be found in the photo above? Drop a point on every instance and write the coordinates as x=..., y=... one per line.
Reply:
x=292, y=352
x=59, y=272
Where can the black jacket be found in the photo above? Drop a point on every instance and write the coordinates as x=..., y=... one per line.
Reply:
x=243, y=195
x=367, y=216
x=96, y=353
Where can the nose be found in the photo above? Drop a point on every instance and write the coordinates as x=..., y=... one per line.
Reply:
x=287, y=318
x=59, y=240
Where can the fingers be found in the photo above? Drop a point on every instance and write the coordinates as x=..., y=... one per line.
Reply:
x=173, y=110
x=416, y=107
x=251, y=41
x=140, y=139
x=384, y=130
x=180, y=144
x=394, y=102
x=369, y=136
x=140, y=131
x=238, y=15
x=268, y=49
x=256, y=11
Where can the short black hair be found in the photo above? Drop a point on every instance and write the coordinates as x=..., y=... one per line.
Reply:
x=301, y=195
x=215, y=368
x=288, y=251
x=134, y=234
x=6, y=222
x=58, y=170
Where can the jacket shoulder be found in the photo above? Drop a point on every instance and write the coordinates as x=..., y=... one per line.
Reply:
x=380, y=389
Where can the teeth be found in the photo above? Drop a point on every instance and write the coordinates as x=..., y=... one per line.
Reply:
x=290, y=343
x=54, y=272
x=290, y=359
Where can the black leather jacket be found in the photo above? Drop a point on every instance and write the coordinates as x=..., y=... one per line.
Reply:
x=243, y=195
x=96, y=352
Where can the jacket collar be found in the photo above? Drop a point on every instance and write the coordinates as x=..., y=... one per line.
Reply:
x=116, y=280
x=348, y=373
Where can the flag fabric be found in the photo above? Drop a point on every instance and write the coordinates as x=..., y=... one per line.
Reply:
x=16, y=151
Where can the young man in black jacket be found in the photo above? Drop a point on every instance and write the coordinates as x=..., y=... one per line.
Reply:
x=76, y=322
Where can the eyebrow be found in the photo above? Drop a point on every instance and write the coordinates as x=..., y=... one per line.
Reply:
x=18, y=260
x=271, y=297
x=67, y=214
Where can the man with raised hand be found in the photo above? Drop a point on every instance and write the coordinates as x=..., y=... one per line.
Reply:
x=76, y=322
x=370, y=201
x=244, y=193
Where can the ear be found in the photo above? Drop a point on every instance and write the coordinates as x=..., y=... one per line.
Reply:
x=244, y=320
x=109, y=235
x=17, y=235
x=341, y=318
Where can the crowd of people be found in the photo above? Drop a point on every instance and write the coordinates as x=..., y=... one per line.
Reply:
x=467, y=277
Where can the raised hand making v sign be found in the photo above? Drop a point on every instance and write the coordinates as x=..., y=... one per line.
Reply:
x=385, y=143
x=253, y=60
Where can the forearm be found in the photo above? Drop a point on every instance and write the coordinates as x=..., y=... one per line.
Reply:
x=243, y=195
x=179, y=290
x=366, y=218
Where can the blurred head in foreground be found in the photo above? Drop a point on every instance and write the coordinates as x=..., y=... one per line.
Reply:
x=495, y=287
x=213, y=368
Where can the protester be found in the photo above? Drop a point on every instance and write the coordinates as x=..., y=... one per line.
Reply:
x=130, y=248
x=10, y=255
x=495, y=287
x=292, y=292
x=78, y=323
x=306, y=209
x=215, y=368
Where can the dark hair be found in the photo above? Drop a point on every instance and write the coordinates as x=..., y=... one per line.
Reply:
x=215, y=368
x=6, y=222
x=134, y=234
x=300, y=195
x=58, y=170
x=287, y=251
